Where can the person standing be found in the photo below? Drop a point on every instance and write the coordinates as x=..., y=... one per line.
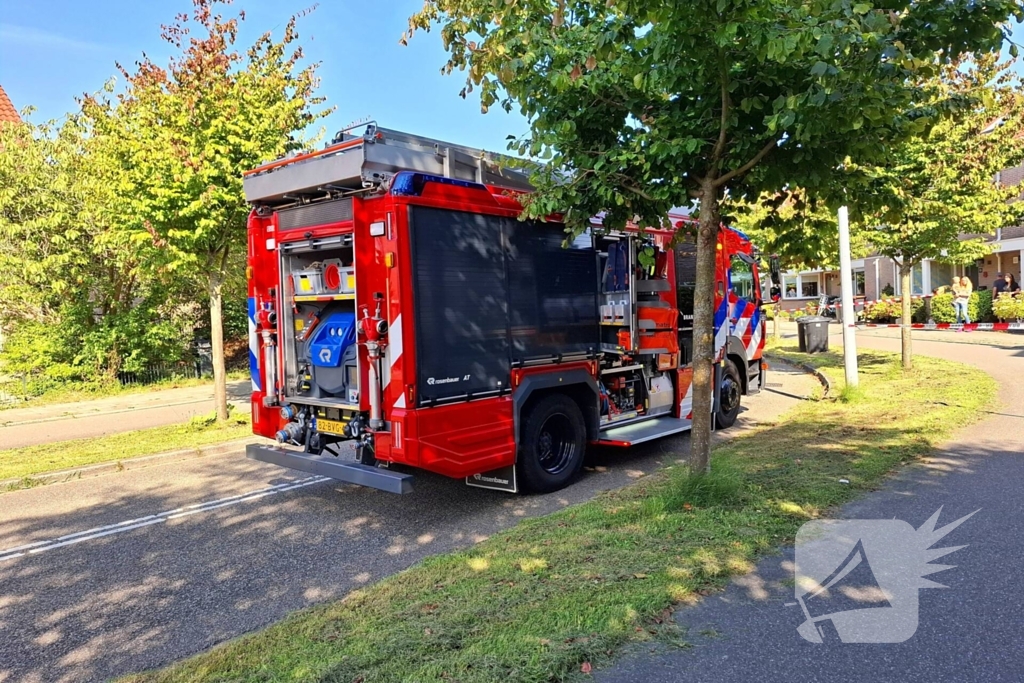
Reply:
x=961, y=296
x=1010, y=285
x=999, y=286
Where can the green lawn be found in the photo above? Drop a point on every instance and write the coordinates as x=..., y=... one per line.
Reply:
x=558, y=594
x=24, y=463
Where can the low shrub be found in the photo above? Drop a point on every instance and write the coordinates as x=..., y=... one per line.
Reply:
x=979, y=307
x=1009, y=307
x=890, y=310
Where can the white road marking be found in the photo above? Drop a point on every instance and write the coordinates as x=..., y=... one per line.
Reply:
x=149, y=520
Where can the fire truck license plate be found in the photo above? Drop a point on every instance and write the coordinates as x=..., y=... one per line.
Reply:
x=330, y=426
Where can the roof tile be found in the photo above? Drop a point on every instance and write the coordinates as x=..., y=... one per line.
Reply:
x=7, y=110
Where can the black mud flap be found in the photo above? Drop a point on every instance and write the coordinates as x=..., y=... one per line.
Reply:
x=501, y=479
x=328, y=466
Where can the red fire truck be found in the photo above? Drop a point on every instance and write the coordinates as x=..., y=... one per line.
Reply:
x=396, y=302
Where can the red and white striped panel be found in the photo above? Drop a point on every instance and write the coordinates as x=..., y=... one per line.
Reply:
x=393, y=354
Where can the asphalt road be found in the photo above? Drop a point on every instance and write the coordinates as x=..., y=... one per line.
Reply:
x=134, y=570
x=21, y=427
x=971, y=631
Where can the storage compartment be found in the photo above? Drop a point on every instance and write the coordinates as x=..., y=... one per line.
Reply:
x=661, y=395
x=658, y=342
x=339, y=278
x=318, y=305
x=461, y=304
x=623, y=396
x=657, y=318
x=308, y=281
x=492, y=292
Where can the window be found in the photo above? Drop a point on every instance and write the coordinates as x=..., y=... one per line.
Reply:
x=800, y=286
x=941, y=275
x=742, y=278
x=916, y=281
x=858, y=283
x=789, y=286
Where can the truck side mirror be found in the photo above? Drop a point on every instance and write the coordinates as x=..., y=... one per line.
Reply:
x=775, y=270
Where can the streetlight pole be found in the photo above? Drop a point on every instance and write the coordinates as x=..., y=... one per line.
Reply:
x=849, y=319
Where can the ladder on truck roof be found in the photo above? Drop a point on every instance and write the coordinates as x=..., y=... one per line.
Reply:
x=358, y=162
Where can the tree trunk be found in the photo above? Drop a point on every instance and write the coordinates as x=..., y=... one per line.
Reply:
x=775, y=327
x=703, y=329
x=905, y=318
x=220, y=388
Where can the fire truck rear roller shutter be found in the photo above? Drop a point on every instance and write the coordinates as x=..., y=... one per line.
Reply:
x=460, y=304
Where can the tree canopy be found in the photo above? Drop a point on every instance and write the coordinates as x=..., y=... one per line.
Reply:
x=186, y=133
x=933, y=189
x=119, y=221
x=643, y=106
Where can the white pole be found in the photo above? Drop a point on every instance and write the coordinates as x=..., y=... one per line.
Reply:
x=846, y=281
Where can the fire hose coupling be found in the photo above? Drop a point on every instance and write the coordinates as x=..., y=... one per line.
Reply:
x=291, y=433
x=373, y=327
x=267, y=316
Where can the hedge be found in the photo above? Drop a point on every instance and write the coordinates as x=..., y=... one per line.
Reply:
x=979, y=308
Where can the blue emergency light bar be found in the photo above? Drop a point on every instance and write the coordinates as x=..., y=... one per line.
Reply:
x=411, y=184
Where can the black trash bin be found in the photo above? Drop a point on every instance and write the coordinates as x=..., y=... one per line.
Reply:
x=812, y=331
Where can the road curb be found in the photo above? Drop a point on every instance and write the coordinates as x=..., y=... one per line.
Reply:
x=809, y=369
x=126, y=464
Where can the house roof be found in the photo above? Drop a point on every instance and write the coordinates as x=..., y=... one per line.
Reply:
x=7, y=110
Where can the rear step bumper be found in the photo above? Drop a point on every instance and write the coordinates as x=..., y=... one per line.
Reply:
x=328, y=466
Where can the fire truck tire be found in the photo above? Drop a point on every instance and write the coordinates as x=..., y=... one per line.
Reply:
x=729, y=398
x=552, y=444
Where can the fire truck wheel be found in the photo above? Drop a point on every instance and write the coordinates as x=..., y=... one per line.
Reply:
x=729, y=397
x=552, y=442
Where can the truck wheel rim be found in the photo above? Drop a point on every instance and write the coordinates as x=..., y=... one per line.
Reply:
x=730, y=394
x=556, y=444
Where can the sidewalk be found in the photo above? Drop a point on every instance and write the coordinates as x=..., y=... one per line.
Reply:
x=84, y=419
x=966, y=633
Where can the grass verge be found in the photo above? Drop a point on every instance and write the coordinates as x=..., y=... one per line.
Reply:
x=556, y=595
x=24, y=463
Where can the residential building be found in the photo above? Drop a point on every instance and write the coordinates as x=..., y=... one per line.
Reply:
x=876, y=277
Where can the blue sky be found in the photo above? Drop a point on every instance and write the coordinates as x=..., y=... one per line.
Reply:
x=54, y=50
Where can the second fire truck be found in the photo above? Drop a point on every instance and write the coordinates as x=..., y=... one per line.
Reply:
x=398, y=304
